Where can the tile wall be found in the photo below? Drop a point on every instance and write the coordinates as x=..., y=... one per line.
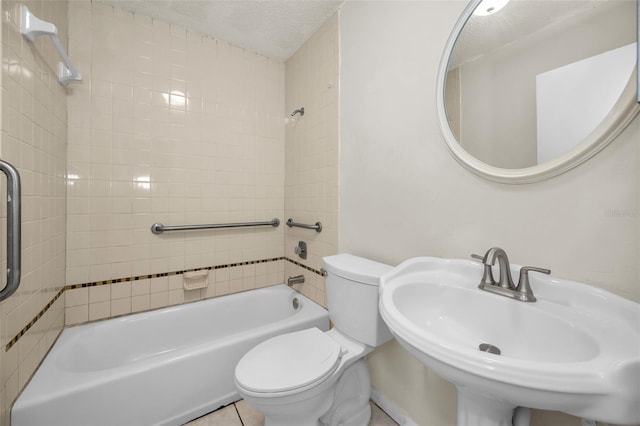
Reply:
x=167, y=126
x=112, y=298
x=311, y=179
x=174, y=127
x=33, y=138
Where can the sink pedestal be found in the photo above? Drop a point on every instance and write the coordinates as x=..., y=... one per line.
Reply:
x=478, y=410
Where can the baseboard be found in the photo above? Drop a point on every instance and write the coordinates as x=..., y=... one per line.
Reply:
x=391, y=408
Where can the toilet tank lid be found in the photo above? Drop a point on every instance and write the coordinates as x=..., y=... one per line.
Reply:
x=355, y=268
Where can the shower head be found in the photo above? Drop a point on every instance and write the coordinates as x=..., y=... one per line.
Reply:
x=298, y=111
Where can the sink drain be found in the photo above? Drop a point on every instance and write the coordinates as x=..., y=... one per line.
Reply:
x=486, y=347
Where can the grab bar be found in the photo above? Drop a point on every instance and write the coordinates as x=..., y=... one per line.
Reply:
x=317, y=226
x=13, y=230
x=158, y=228
x=32, y=27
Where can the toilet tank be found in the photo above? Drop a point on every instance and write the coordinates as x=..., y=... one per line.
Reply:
x=352, y=297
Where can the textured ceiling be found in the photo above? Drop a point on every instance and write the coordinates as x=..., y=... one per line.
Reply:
x=274, y=28
x=519, y=19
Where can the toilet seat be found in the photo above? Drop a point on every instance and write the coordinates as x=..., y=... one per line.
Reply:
x=289, y=362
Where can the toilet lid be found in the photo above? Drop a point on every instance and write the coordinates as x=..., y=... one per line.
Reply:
x=289, y=361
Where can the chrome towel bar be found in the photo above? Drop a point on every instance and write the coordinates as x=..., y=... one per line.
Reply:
x=13, y=230
x=158, y=228
x=317, y=226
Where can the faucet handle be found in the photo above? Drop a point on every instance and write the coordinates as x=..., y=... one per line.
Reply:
x=478, y=257
x=523, y=283
x=525, y=269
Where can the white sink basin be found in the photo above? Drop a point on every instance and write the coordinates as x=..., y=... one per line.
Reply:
x=577, y=349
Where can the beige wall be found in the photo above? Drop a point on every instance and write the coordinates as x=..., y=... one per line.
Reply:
x=169, y=126
x=311, y=179
x=403, y=195
x=33, y=137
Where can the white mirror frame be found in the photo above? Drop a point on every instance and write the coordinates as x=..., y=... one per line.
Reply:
x=622, y=114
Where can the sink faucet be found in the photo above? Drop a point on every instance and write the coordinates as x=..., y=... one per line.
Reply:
x=505, y=286
x=490, y=257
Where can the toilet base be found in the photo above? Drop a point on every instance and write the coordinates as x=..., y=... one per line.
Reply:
x=351, y=403
x=345, y=403
x=295, y=410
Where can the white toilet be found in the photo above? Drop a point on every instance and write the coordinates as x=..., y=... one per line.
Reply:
x=312, y=377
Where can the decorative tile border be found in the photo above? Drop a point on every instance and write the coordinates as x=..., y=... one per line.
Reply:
x=34, y=320
x=308, y=268
x=167, y=274
x=22, y=332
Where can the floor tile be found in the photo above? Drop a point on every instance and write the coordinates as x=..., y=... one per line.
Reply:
x=249, y=416
x=380, y=418
x=226, y=416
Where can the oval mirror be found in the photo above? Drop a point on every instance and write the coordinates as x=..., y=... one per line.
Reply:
x=528, y=89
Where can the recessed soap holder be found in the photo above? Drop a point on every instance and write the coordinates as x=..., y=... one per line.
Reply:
x=195, y=280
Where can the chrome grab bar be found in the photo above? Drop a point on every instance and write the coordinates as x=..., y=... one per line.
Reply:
x=158, y=228
x=317, y=226
x=13, y=230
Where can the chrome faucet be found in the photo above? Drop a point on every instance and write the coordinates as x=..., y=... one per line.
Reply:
x=505, y=286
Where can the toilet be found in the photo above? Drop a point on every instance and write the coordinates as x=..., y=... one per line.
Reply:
x=311, y=377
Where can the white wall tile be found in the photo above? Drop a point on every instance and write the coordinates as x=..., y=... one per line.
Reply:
x=76, y=296
x=140, y=287
x=99, y=310
x=159, y=299
x=99, y=293
x=120, y=290
x=34, y=135
x=120, y=306
x=311, y=179
x=77, y=314
x=160, y=284
x=140, y=303
x=170, y=154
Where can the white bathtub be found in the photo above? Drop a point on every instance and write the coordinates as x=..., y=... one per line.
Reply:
x=164, y=367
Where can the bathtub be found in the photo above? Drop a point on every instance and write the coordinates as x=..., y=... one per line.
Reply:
x=163, y=367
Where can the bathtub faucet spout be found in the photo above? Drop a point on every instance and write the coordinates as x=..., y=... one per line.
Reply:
x=298, y=279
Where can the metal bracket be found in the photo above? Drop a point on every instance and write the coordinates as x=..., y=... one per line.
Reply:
x=31, y=27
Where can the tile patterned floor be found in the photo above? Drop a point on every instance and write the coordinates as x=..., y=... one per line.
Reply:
x=241, y=414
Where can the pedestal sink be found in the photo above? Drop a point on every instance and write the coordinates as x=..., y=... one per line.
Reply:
x=576, y=349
